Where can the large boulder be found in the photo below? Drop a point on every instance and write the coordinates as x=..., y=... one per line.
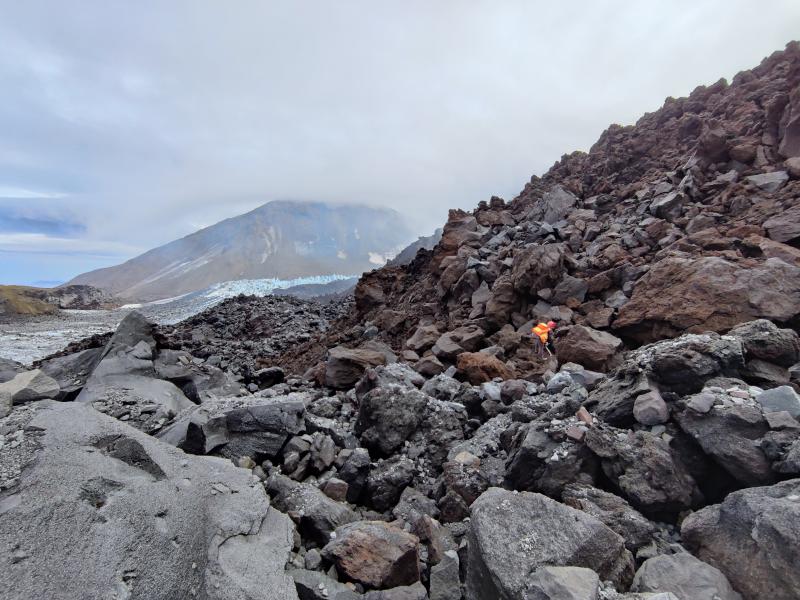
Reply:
x=375, y=554
x=685, y=576
x=681, y=366
x=9, y=369
x=479, y=367
x=553, y=206
x=387, y=416
x=317, y=515
x=513, y=534
x=753, y=537
x=763, y=340
x=148, y=520
x=26, y=387
x=72, y=371
x=595, y=350
x=709, y=294
x=645, y=470
x=345, y=366
x=538, y=266
x=132, y=330
x=621, y=517
x=785, y=226
x=731, y=435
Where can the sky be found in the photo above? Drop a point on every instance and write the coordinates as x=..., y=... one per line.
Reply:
x=125, y=125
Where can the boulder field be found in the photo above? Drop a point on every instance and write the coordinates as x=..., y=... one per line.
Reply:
x=413, y=445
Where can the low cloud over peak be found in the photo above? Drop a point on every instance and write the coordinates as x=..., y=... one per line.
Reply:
x=128, y=125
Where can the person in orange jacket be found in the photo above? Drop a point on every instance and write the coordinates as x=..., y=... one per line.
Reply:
x=542, y=332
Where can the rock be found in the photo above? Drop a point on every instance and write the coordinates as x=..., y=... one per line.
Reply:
x=387, y=416
x=782, y=398
x=345, y=366
x=563, y=583
x=553, y=206
x=429, y=366
x=26, y=387
x=336, y=489
x=316, y=515
x=764, y=374
x=132, y=330
x=424, y=338
x=444, y=578
x=513, y=534
x=668, y=206
x=569, y=287
x=650, y=409
x=793, y=166
x=269, y=376
x=447, y=348
x=9, y=369
x=354, y=470
x=478, y=367
x=375, y=554
x=613, y=511
x=537, y=267
x=71, y=371
x=403, y=592
x=769, y=182
x=765, y=341
x=530, y=465
x=645, y=470
x=150, y=521
x=387, y=481
x=709, y=294
x=589, y=347
x=313, y=585
x=501, y=303
x=731, y=436
x=784, y=226
x=753, y=538
x=685, y=576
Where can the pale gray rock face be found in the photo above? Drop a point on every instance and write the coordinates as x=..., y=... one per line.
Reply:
x=26, y=387
x=512, y=534
x=685, y=576
x=105, y=511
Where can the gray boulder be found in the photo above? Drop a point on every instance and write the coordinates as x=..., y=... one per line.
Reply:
x=316, y=514
x=513, y=534
x=685, y=576
x=730, y=434
x=779, y=399
x=753, y=537
x=149, y=521
x=9, y=369
x=764, y=340
x=563, y=583
x=26, y=387
x=132, y=330
x=613, y=511
x=645, y=470
x=72, y=371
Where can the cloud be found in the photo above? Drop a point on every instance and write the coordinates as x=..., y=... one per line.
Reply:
x=139, y=122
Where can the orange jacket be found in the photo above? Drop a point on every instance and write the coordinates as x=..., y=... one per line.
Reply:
x=542, y=331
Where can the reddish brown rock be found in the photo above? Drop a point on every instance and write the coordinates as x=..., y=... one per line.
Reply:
x=709, y=294
x=375, y=554
x=478, y=367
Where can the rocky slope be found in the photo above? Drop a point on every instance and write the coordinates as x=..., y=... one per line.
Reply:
x=282, y=240
x=421, y=450
x=24, y=301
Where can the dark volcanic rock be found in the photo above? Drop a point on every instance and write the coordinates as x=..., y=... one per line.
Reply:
x=753, y=537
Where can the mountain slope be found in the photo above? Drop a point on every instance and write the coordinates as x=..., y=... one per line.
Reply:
x=283, y=240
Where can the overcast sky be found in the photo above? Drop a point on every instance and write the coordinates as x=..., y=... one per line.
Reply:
x=124, y=125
